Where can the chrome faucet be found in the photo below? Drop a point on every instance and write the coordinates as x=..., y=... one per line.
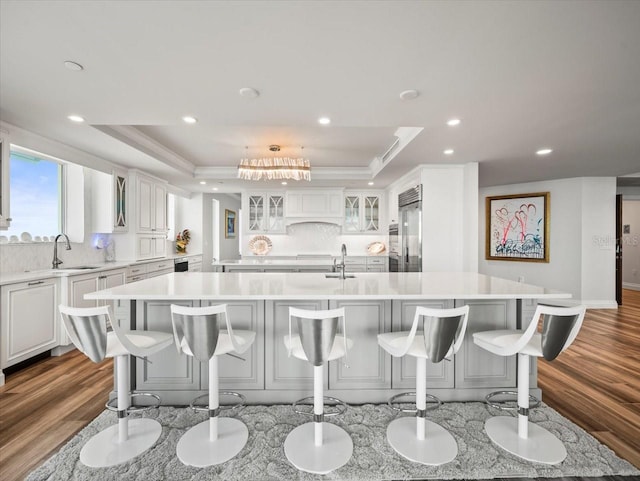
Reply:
x=56, y=262
x=341, y=266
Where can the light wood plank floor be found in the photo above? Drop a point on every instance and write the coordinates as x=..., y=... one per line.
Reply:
x=596, y=384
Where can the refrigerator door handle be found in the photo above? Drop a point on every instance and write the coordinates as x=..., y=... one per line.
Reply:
x=406, y=255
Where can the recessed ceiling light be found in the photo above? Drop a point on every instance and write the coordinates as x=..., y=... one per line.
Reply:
x=75, y=66
x=544, y=151
x=76, y=118
x=369, y=183
x=284, y=183
x=324, y=120
x=248, y=92
x=409, y=94
x=187, y=119
x=215, y=188
x=203, y=182
x=453, y=122
x=448, y=152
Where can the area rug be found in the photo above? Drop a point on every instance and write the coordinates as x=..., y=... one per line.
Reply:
x=373, y=459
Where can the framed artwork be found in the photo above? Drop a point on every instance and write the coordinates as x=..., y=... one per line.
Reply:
x=229, y=224
x=518, y=227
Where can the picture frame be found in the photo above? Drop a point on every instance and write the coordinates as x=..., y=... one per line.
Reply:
x=517, y=227
x=229, y=224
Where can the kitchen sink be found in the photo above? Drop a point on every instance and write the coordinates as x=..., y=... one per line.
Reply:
x=339, y=276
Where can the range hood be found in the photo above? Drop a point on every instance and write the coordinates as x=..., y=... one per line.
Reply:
x=330, y=221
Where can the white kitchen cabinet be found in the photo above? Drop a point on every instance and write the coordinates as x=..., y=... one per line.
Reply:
x=265, y=212
x=109, y=201
x=5, y=216
x=377, y=264
x=29, y=323
x=151, y=205
x=314, y=204
x=362, y=212
x=76, y=286
x=439, y=375
x=366, y=366
x=151, y=246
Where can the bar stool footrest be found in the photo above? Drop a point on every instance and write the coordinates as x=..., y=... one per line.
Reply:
x=112, y=404
x=201, y=408
x=436, y=402
x=534, y=402
x=339, y=404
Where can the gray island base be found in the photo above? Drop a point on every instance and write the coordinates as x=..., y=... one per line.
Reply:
x=374, y=302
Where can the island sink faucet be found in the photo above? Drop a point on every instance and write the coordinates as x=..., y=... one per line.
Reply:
x=341, y=266
x=56, y=262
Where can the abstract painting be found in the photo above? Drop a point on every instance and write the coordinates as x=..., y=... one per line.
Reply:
x=518, y=227
x=229, y=224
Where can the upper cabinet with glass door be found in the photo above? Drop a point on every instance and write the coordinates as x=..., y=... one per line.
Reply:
x=362, y=212
x=5, y=217
x=265, y=212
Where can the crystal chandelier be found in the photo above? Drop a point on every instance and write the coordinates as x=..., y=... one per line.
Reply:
x=274, y=168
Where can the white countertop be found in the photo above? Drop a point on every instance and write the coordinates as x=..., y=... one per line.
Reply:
x=272, y=286
x=264, y=261
x=66, y=271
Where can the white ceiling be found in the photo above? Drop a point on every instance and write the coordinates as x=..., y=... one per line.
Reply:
x=521, y=75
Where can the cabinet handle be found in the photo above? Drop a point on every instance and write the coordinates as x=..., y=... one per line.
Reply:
x=35, y=283
x=9, y=219
x=153, y=230
x=161, y=267
x=102, y=277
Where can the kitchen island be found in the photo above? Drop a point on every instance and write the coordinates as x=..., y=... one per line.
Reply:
x=374, y=302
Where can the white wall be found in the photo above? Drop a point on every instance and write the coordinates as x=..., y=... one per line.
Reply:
x=581, y=235
x=228, y=248
x=631, y=245
x=189, y=215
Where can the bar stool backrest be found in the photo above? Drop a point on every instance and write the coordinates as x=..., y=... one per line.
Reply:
x=558, y=332
x=317, y=331
x=87, y=328
x=443, y=330
x=200, y=328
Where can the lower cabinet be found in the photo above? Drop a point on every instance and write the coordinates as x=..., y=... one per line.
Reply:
x=366, y=365
x=476, y=367
x=282, y=371
x=29, y=320
x=237, y=373
x=439, y=375
x=169, y=370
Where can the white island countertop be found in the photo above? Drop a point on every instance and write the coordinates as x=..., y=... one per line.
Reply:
x=273, y=286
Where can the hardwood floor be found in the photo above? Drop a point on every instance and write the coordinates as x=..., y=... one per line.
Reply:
x=596, y=384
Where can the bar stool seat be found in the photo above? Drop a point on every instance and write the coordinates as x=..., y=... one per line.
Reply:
x=424, y=441
x=87, y=328
x=318, y=447
x=197, y=332
x=560, y=327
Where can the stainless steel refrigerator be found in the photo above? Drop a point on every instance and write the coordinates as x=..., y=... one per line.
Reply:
x=410, y=230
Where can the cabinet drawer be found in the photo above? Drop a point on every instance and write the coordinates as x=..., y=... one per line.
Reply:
x=159, y=273
x=376, y=261
x=154, y=267
x=136, y=278
x=137, y=270
x=355, y=260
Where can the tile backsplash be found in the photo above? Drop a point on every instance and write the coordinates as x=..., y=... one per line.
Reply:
x=34, y=256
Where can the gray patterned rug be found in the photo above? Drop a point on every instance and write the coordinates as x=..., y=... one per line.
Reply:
x=263, y=456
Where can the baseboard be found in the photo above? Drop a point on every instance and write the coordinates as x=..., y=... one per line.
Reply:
x=60, y=350
x=631, y=285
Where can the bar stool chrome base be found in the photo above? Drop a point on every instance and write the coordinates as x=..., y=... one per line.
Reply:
x=438, y=447
x=104, y=449
x=205, y=408
x=540, y=446
x=195, y=447
x=339, y=404
x=112, y=404
x=502, y=405
x=335, y=451
x=430, y=399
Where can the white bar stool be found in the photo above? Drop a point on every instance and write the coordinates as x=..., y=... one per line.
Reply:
x=197, y=332
x=318, y=447
x=443, y=331
x=87, y=328
x=560, y=326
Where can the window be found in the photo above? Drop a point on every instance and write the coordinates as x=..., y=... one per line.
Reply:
x=35, y=194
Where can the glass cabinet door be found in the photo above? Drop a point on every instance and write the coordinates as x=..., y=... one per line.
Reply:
x=371, y=213
x=256, y=212
x=276, y=213
x=120, y=221
x=352, y=213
